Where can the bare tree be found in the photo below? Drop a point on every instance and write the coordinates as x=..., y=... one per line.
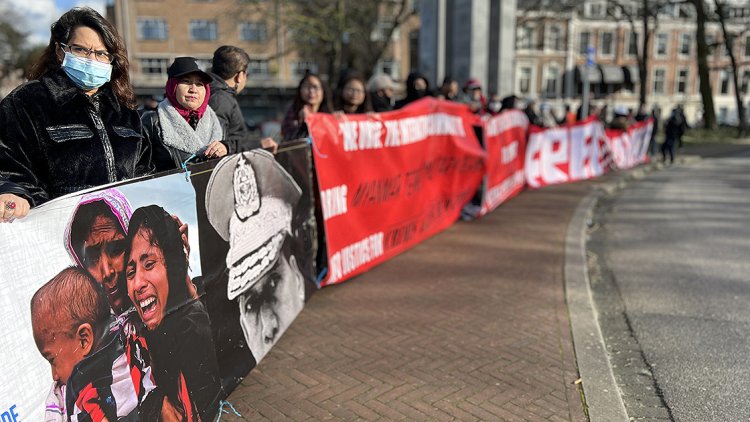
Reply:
x=337, y=34
x=729, y=38
x=12, y=44
x=701, y=18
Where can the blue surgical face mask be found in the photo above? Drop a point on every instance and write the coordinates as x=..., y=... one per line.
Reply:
x=87, y=74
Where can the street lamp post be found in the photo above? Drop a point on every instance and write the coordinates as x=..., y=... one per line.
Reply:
x=586, y=85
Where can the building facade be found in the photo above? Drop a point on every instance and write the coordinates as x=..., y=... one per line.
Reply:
x=468, y=39
x=554, y=42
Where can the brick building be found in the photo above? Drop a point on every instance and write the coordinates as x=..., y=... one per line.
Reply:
x=553, y=39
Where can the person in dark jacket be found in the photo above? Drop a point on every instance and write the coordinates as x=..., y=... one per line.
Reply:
x=74, y=124
x=673, y=129
x=417, y=87
x=531, y=114
x=382, y=89
x=449, y=89
x=229, y=77
x=184, y=126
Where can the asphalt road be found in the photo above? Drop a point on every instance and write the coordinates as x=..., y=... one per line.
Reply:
x=676, y=245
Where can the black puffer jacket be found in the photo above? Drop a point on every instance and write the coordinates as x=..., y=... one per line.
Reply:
x=54, y=140
x=223, y=101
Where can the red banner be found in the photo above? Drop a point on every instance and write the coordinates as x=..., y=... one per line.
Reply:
x=505, y=143
x=566, y=154
x=630, y=148
x=388, y=181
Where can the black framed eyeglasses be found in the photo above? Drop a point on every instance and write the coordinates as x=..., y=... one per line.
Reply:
x=78, y=51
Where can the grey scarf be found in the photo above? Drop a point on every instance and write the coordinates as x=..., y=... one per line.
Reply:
x=177, y=133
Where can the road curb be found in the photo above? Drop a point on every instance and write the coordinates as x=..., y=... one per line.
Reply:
x=602, y=396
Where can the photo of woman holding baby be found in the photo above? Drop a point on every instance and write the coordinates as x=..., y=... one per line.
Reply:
x=174, y=322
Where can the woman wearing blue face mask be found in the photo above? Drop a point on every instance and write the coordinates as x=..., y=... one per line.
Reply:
x=74, y=124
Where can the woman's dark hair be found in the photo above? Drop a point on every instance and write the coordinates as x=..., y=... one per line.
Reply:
x=366, y=105
x=163, y=232
x=411, y=90
x=229, y=61
x=325, y=105
x=62, y=30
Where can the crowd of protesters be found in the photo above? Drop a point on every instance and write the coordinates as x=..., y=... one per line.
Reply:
x=74, y=124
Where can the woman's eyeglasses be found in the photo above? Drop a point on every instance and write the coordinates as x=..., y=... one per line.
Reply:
x=311, y=88
x=78, y=51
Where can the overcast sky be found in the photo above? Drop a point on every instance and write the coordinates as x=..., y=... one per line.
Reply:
x=39, y=14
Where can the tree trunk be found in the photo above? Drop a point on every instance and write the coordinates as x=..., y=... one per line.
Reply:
x=709, y=114
x=643, y=57
x=728, y=44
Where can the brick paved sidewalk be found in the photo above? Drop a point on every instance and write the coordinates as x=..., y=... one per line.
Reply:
x=470, y=325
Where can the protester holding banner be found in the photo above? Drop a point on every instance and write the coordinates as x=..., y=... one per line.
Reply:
x=382, y=89
x=184, y=127
x=311, y=97
x=448, y=90
x=229, y=73
x=417, y=86
x=74, y=124
x=351, y=96
x=174, y=323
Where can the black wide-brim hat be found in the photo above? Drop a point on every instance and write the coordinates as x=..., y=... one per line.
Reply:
x=185, y=66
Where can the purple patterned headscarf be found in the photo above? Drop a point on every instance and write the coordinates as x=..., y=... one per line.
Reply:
x=118, y=204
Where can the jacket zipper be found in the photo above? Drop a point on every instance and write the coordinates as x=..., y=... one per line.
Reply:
x=108, y=153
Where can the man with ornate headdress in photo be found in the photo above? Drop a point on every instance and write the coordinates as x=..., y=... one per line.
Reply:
x=256, y=220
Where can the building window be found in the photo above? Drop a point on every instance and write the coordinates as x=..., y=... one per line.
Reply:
x=724, y=50
x=526, y=37
x=686, y=41
x=554, y=38
x=551, y=77
x=253, y=31
x=747, y=46
x=381, y=30
x=606, y=44
x=662, y=43
x=299, y=68
x=257, y=67
x=745, y=81
x=203, y=30
x=710, y=40
x=723, y=114
x=584, y=40
x=524, y=80
x=668, y=11
x=391, y=68
x=632, y=49
x=682, y=81
x=724, y=82
x=152, y=29
x=596, y=10
x=154, y=66
x=658, y=84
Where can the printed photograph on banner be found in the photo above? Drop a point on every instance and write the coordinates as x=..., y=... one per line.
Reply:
x=117, y=315
x=256, y=225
